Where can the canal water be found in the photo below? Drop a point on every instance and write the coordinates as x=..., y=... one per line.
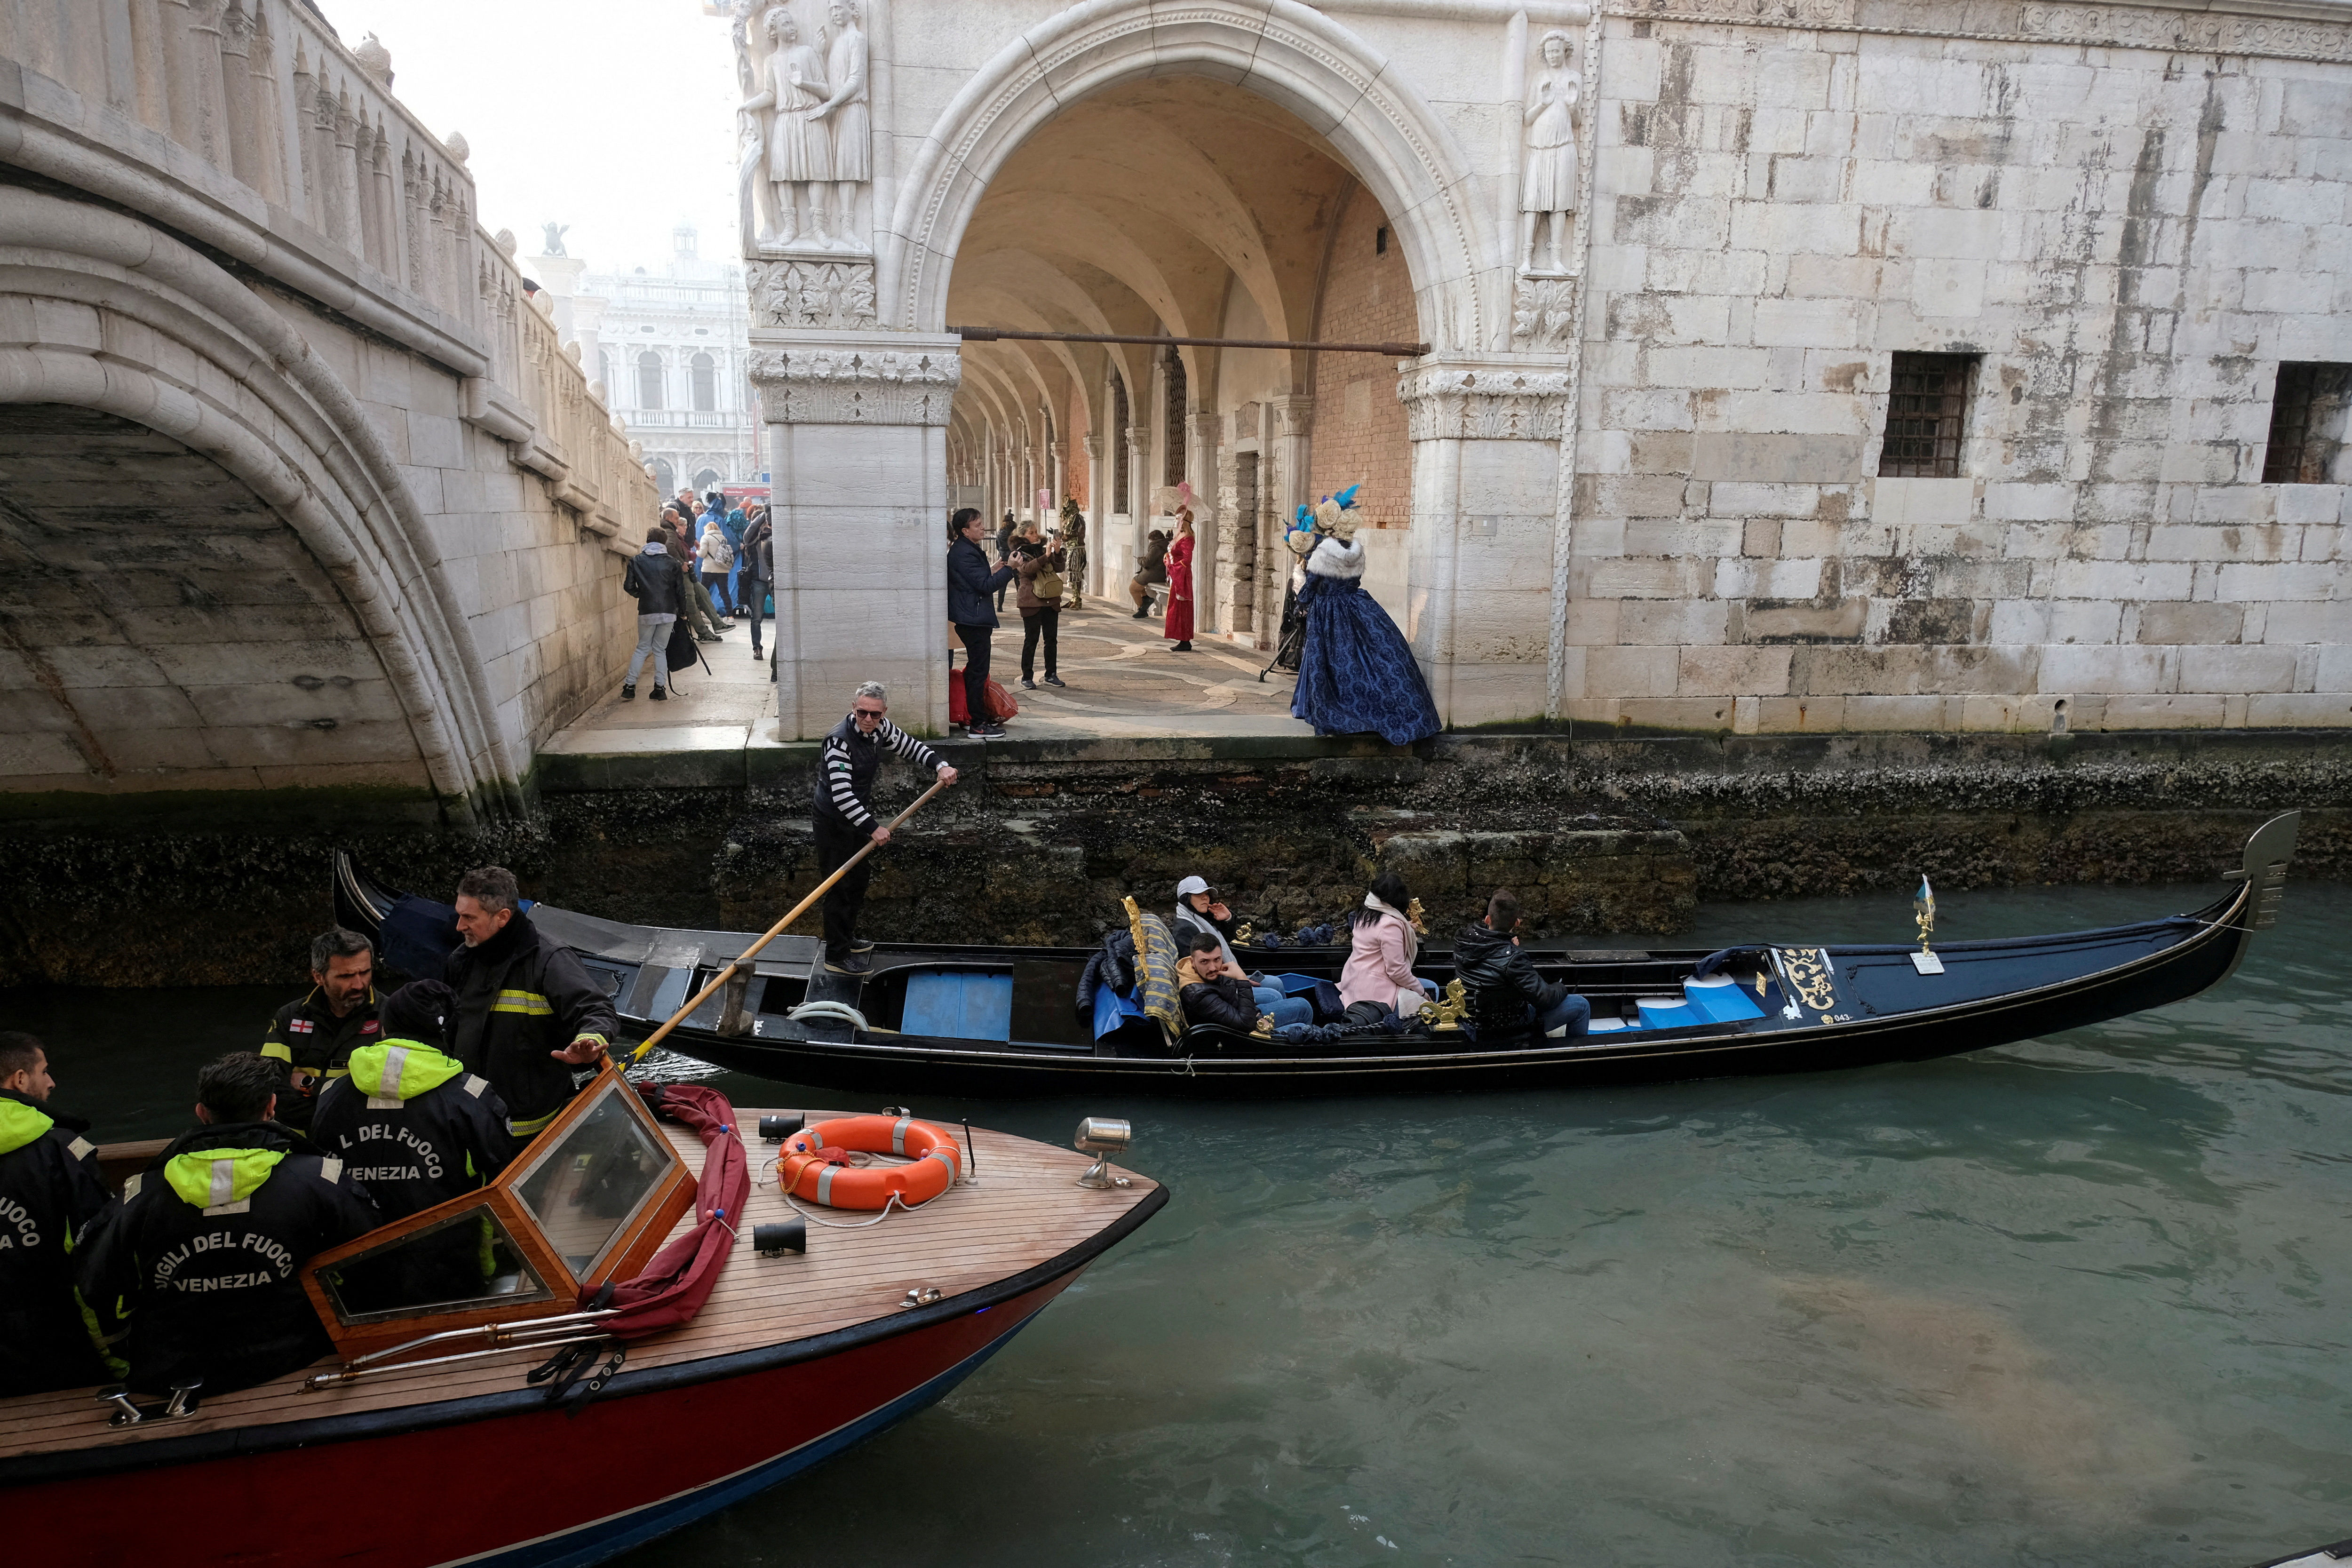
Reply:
x=2077, y=1301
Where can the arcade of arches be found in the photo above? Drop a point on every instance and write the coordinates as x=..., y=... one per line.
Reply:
x=1185, y=206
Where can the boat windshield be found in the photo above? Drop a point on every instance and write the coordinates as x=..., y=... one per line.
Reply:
x=464, y=1260
x=584, y=1189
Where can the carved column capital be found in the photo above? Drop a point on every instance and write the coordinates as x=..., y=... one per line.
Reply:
x=1093, y=445
x=1462, y=398
x=857, y=382
x=1293, y=415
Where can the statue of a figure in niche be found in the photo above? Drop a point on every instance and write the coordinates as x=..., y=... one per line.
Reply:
x=1548, y=190
x=851, y=120
x=555, y=233
x=799, y=145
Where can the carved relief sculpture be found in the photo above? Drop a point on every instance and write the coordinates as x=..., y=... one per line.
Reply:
x=799, y=148
x=810, y=293
x=852, y=120
x=1548, y=189
x=555, y=233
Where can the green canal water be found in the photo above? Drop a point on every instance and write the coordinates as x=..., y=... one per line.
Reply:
x=2086, y=1300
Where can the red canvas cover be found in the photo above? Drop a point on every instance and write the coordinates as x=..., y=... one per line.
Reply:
x=682, y=1275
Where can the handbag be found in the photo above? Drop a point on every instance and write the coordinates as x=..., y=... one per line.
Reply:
x=683, y=648
x=1047, y=585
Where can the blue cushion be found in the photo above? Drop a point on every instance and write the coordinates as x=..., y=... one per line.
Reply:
x=958, y=1005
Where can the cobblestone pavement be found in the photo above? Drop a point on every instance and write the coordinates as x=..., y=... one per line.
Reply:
x=1123, y=683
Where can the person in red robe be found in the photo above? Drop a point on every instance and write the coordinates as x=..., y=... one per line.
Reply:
x=1179, y=624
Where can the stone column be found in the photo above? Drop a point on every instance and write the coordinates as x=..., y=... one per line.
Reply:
x=1287, y=488
x=1059, y=483
x=560, y=276
x=1097, y=514
x=857, y=461
x=1485, y=432
x=1139, y=486
x=1203, y=428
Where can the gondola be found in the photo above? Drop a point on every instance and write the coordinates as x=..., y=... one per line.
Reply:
x=997, y=1021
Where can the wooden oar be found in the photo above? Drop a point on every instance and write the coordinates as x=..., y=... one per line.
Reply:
x=777, y=929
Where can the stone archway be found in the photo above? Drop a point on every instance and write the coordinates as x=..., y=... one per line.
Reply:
x=1294, y=57
x=142, y=347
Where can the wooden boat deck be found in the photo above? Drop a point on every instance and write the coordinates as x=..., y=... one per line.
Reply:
x=1023, y=1209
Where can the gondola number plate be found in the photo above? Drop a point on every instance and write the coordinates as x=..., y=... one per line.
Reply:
x=1926, y=964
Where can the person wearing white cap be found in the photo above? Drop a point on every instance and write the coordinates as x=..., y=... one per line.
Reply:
x=1198, y=913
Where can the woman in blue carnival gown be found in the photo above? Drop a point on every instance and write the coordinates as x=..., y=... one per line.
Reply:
x=1356, y=673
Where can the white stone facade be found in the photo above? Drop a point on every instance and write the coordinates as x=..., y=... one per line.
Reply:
x=323, y=504
x=2127, y=216
x=671, y=350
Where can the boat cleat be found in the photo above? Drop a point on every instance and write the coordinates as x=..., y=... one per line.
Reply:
x=920, y=1296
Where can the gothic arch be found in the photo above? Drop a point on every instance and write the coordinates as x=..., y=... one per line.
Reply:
x=130, y=323
x=1294, y=57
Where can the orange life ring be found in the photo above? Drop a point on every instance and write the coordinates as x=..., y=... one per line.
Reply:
x=811, y=1166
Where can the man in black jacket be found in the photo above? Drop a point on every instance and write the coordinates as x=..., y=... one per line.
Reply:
x=202, y=1255
x=757, y=575
x=315, y=1036
x=657, y=583
x=844, y=819
x=970, y=583
x=50, y=1191
x=528, y=1017
x=1216, y=995
x=1507, y=997
x=415, y=1127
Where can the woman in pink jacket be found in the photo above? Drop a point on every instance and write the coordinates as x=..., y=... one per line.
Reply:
x=1380, y=967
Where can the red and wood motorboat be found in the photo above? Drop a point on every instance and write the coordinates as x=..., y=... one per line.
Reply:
x=443, y=1452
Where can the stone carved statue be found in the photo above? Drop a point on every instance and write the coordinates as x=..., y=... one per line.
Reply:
x=1548, y=191
x=852, y=120
x=555, y=233
x=797, y=147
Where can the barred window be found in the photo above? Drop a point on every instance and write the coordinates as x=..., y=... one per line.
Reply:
x=706, y=383
x=649, y=380
x=1927, y=414
x=2306, y=423
x=1173, y=467
x=1119, y=421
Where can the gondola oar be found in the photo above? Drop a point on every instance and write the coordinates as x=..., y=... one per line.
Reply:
x=776, y=930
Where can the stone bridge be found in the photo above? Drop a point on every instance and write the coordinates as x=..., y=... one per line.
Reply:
x=299, y=496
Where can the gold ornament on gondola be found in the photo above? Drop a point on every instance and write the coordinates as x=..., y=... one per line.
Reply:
x=1445, y=1014
x=1923, y=905
x=1413, y=912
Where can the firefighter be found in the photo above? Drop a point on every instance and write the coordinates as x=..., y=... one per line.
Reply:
x=201, y=1257
x=50, y=1191
x=315, y=1036
x=412, y=1125
x=528, y=1017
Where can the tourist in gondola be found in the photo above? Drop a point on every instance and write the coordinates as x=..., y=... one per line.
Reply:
x=204, y=1248
x=527, y=1017
x=50, y=1192
x=1178, y=626
x=1199, y=913
x=315, y=1036
x=1507, y=997
x=845, y=819
x=1383, y=948
x=1212, y=993
x=1356, y=672
x=970, y=583
x=415, y=1127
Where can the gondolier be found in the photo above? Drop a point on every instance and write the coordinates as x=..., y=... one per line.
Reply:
x=528, y=1017
x=846, y=822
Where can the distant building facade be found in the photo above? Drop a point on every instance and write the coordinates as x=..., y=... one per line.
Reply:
x=671, y=349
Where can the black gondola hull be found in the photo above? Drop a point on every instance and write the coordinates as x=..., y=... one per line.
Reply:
x=1865, y=1005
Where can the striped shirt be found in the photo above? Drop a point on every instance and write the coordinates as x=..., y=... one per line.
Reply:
x=846, y=765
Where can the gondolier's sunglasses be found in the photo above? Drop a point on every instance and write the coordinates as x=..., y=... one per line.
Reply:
x=873, y=713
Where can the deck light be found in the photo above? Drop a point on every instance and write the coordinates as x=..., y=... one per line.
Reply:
x=775, y=1240
x=777, y=1126
x=1102, y=1136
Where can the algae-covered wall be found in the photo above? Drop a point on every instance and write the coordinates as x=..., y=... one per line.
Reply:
x=1596, y=837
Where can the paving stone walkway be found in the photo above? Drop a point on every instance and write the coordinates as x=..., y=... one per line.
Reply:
x=1124, y=684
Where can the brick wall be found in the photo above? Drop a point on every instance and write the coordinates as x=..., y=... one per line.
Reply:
x=1360, y=430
